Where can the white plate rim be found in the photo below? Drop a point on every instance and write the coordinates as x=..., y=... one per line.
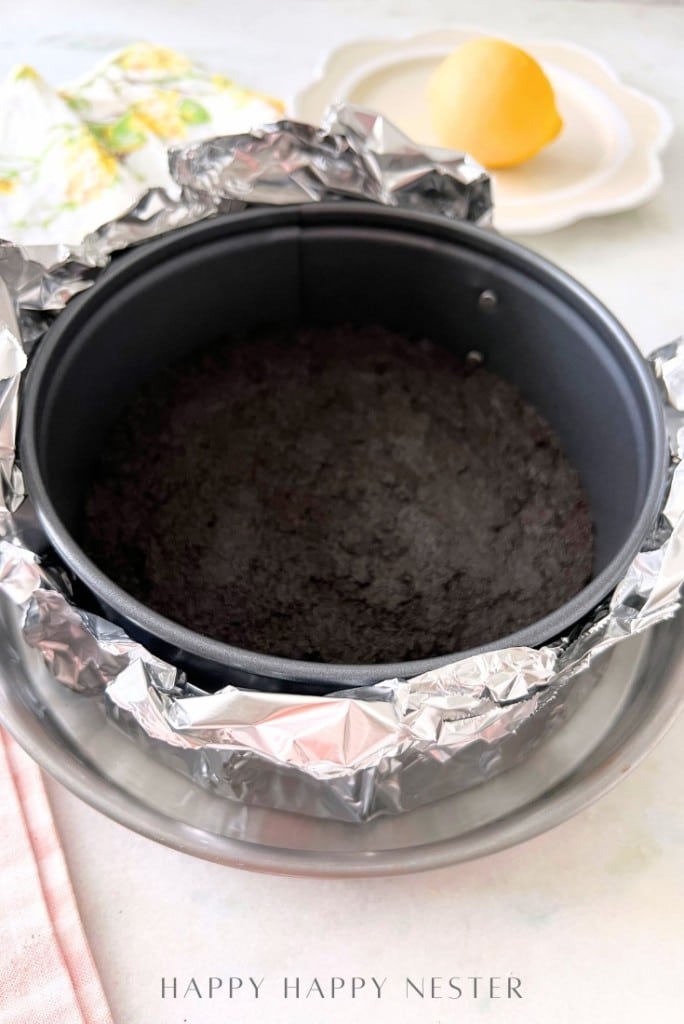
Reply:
x=389, y=50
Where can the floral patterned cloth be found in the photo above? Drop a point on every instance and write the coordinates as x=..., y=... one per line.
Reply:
x=73, y=159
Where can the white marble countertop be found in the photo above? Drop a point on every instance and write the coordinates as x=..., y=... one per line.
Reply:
x=589, y=916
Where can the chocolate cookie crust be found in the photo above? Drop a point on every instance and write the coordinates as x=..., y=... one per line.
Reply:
x=338, y=495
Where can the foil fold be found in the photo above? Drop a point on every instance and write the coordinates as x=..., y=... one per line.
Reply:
x=355, y=154
x=381, y=749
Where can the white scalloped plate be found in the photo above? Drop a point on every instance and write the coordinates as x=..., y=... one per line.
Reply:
x=606, y=158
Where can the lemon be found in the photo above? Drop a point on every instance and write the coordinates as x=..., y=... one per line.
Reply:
x=493, y=100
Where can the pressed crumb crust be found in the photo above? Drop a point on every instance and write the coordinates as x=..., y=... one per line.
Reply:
x=338, y=495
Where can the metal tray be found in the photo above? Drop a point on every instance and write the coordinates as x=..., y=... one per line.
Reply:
x=621, y=711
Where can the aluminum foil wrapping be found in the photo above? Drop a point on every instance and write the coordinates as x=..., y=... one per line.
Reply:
x=384, y=748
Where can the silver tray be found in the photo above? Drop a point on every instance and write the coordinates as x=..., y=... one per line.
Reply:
x=621, y=709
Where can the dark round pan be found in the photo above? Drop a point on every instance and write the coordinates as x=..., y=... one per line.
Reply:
x=461, y=286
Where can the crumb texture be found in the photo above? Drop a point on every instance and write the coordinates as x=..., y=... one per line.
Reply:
x=338, y=495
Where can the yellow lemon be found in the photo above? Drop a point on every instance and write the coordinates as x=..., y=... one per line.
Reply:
x=493, y=100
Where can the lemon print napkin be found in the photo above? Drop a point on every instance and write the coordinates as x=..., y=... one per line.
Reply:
x=56, y=181
x=72, y=159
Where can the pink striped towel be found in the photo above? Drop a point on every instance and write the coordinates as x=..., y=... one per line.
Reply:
x=47, y=973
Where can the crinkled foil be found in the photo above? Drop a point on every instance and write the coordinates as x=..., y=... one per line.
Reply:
x=352, y=756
